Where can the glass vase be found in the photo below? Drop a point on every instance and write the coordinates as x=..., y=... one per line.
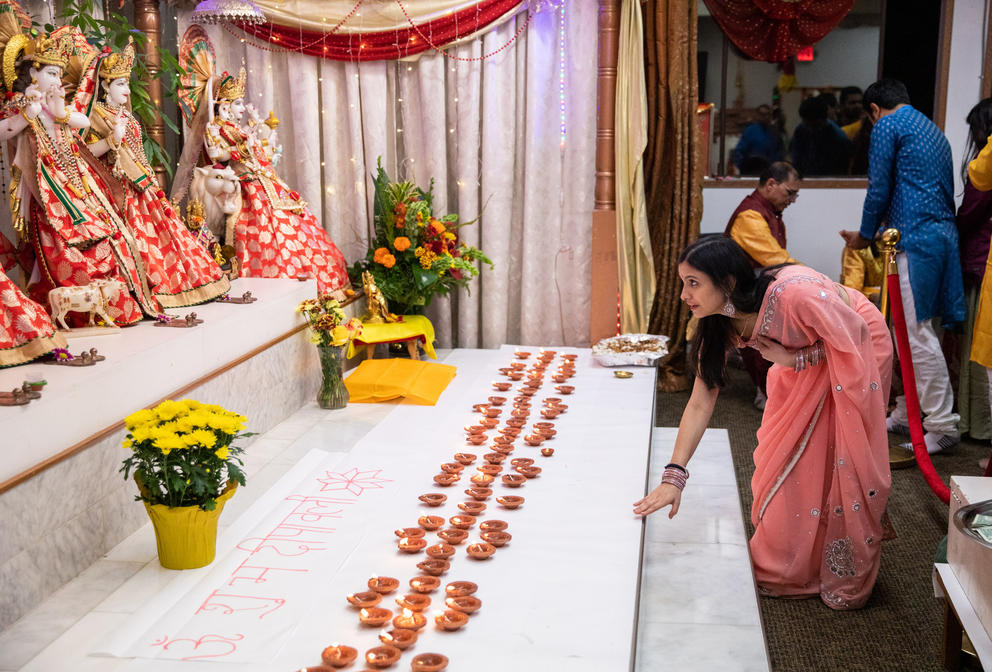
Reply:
x=332, y=393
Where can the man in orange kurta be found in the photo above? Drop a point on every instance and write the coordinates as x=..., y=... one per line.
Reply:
x=757, y=227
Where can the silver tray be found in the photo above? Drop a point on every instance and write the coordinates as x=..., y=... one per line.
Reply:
x=631, y=350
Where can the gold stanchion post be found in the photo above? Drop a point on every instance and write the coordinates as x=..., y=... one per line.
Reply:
x=890, y=238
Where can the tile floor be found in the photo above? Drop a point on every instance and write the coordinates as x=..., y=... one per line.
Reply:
x=698, y=607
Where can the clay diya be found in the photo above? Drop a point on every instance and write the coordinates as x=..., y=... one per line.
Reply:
x=493, y=526
x=434, y=566
x=465, y=458
x=548, y=434
x=475, y=439
x=550, y=413
x=430, y=522
x=479, y=493
x=515, y=375
x=480, y=408
x=364, y=599
x=338, y=656
x=497, y=401
x=382, y=656
x=411, y=532
x=521, y=354
x=527, y=391
x=462, y=521
x=503, y=440
x=518, y=365
x=442, y=550
x=491, y=469
x=534, y=439
x=502, y=386
x=569, y=356
x=520, y=413
x=453, y=535
x=510, y=501
x=561, y=408
x=460, y=588
x=424, y=584
x=410, y=620
x=488, y=423
x=450, y=619
x=373, y=617
x=408, y=545
x=521, y=399
x=494, y=412
x=433, y=498
x=452, y=467
x=529, y=471
x=428, y=662
x=503, y=448
x=565, y=389
x=559, y=378
x=415, y=601
x=475, y=429
x=513, y=480
x=544, y=425
x=496, y=538
x=547, y=452
x=516, y=422
x=398, y=637
x=465, y=604
x=472, y=508
x=510, y=432
x=445, y=480
x=383, y=584
x=521, y=462
x=482, y=479
x=480, y=551
x=494, y=458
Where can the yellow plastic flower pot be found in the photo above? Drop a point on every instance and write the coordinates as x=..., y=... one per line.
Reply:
x=187, y=535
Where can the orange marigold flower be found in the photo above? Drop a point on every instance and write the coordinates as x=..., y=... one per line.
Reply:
x=402, y=243
x=437, y=225
x=388, y=261
x=379, y=254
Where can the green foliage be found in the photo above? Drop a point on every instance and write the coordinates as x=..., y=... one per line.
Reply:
x=114, y=31
x=414, y=255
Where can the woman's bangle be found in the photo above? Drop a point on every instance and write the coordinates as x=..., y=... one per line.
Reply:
x=811, y=355
x=675, y=475
x=673, y=465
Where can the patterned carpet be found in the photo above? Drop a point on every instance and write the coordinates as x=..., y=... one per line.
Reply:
x=900, y=628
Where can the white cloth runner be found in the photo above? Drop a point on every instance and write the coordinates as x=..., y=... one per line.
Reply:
x=564, y=589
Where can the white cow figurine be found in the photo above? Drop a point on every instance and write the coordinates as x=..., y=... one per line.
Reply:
x=91, y=298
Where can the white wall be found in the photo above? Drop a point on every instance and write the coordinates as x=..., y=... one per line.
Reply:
x=812, y=223
x=964, y=77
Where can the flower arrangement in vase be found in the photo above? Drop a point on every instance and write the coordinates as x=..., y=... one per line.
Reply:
x=186, y=465
x=414, y=255
x=331, y=332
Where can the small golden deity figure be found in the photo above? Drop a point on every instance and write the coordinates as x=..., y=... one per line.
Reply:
x=377, y=311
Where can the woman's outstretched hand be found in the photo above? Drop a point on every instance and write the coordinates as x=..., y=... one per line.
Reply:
x=664, y=495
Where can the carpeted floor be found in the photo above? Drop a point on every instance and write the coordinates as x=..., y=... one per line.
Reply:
x=900, y=628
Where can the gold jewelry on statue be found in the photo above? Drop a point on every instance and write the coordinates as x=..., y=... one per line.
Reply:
x=11, y=51
x=45, y=50
x=62, y=120
x=118, y=65
x=231, y=88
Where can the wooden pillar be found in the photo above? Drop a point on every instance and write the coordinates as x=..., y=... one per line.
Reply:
x=604, y=281
x=148, y=20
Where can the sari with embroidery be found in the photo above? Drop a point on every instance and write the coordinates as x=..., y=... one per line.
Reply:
x=822, y=477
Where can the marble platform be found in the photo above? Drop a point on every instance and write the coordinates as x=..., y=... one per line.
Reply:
x=698, y=609
x=62, y=503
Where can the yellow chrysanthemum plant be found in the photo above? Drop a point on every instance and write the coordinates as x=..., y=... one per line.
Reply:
x=183, y=453
x=328, y=323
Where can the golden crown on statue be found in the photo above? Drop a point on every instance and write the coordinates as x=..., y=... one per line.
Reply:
x=231, y=88
x=44, y=50
x=118, y=65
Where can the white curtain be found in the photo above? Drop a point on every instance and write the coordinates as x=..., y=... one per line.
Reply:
x=490, y=134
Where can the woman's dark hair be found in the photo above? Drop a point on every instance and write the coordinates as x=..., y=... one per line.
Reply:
x=727, y=265
x=979, y=121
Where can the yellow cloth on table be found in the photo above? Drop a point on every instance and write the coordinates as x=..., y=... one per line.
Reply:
x=412, y=326
x=383, y=379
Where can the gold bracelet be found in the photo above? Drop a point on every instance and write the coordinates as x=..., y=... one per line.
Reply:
x=62, y=120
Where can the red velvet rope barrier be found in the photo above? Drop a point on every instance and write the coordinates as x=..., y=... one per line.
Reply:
x=912, y=400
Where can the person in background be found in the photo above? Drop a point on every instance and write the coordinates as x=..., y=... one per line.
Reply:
x=852, y=112
x=818, y=146
x=756, y=225
x=821, y=477
x=760, y=145
x=833, y=107
x=911, y=185
x=975, y=229
x=863, y=270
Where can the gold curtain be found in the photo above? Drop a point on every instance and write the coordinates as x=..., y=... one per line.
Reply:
x=672, y=167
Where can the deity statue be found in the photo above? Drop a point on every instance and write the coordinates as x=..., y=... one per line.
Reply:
x=377, y=310
x=180, y=272
x=26, y=332
x=63, y=200
x=274, y=234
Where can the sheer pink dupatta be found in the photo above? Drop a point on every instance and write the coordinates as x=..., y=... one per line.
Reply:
x=822, y=472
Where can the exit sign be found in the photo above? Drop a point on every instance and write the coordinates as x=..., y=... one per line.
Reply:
x=805, y=54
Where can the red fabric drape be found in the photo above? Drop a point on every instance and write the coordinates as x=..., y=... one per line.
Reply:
x=383, y=45
x=774, y=30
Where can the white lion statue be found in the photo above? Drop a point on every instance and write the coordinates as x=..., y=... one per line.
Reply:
x=220, y=192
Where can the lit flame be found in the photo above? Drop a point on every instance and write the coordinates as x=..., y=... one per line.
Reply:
x=364, y=613
x=385, y=636
x=407, y=613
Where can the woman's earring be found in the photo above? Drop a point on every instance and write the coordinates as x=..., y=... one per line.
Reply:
x=728, y=308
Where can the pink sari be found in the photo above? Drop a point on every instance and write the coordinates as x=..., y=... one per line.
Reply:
x=822, y=469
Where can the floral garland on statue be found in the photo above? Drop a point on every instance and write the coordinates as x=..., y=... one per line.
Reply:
x=414, y=255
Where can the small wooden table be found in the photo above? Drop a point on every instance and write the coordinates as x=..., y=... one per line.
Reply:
x=413, y=329
x=959, y=616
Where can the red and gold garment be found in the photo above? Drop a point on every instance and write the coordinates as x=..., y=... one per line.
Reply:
x=73, y=224
x=180, y=272
x=26, y=332
x=276, y=235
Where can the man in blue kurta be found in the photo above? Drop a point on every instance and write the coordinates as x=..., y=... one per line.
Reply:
x=911, y=188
